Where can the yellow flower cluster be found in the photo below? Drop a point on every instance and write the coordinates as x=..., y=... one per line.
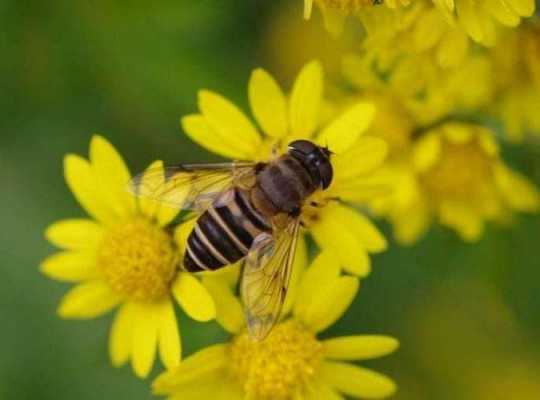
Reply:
x=414, y=134
x=427, y=23
x=444, y=161
x=127, y=256
x=454, y=175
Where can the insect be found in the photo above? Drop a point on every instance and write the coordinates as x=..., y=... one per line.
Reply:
x=249, y=211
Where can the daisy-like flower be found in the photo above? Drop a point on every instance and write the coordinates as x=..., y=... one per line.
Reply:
x=458, y=178
x=292, y=363
x=222, y=128
x=479, y=19
x=123, y=256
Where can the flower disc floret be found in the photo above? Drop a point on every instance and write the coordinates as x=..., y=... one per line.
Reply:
x=461, y=172
x=138, y=260
x=276, y=368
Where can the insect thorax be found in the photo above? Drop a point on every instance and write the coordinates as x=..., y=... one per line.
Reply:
x=282, y=186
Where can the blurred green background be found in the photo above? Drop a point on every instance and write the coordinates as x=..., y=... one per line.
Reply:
x=467, y=315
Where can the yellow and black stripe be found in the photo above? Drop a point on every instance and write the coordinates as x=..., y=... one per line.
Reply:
x=224, y=233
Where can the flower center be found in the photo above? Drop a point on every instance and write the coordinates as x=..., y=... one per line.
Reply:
x=138, y=260
x=348, y=6
x=277, y=368
x=461, y=173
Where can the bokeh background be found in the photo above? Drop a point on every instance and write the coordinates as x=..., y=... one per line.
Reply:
x=467, y=315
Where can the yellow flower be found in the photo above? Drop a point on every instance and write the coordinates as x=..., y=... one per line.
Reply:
x=458, y=178
x=479, y=19
x=292, y=363
x=335, y=12
x=516, y=65
x=123, y=256
x=418, y=29
x=222, y=128
x=425, y=91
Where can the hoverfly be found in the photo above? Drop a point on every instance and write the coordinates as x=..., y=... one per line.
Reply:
x=249, y=211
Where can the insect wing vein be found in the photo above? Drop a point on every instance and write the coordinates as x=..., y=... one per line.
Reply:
x=265, y=279
x=190, y=186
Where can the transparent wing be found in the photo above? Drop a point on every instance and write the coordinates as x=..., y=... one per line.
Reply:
x=191, y=186
x=265, y=278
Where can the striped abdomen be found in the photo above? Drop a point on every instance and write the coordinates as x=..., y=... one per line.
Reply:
x=224, y=233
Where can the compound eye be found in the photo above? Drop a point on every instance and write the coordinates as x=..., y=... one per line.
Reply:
x=327, y=173
x=303, y=146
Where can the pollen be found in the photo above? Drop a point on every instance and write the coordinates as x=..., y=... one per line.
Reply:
x=138, y=260
x=460, y=174
x=348, y=6
x=278, y=367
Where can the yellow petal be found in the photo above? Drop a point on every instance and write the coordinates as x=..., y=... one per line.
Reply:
x=467, y=17
x=298, y=268
x=197, y=128
x=86, y=189
x=428, y=30
x=306, y=100
x=525, y=8
x=111, y=172
x=329, y=233
x=502, y=12
x=149, y=206
x=478, y=24
x=70, y=266
x=268, y=104
x=120, y=338
x=464, y=219
x=518, y=192
x=229, y=312
x=410, y=226
x=488, y=142
x=320, y=391
x=356, y=381
x=345, y=130
x=359, y=347
x=215, y=385
x=88, y=300
x=201, y=363
x=361, y=227
x=333, y=20
x=363, y=157
x=377, y=184
x=427, y=152
x=308, y=7
x=75, y=234
x=194, y=298
x=229, y=123
x=323, y=270
x=169, y=343
x=331, y=303
x=458, y=133
x=166, y=214
x=154, y=176
x=182, y=232
x=145, y=338
x=446, y=7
